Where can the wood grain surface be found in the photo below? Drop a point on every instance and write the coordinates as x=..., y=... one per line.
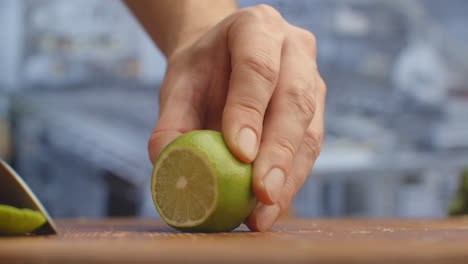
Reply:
x=291, y=241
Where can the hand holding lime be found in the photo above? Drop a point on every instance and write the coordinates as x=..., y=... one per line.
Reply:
x=199, y=186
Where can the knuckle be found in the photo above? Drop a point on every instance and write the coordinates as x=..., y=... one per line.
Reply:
x=301, y=96
x=262, y=14
x=250, y=106
x=261, y=65
x=322, y=86
x=308, y=37
x=266, y=11
x=313, y=143
x=287, y=148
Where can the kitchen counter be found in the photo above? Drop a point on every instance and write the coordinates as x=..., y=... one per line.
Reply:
x=291, y=241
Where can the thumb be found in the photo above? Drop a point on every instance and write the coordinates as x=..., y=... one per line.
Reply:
x=158, y=140
x=179, y=114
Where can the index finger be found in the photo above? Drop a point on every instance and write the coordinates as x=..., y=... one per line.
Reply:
x=255, y=45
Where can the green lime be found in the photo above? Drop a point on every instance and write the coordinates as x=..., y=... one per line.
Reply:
x=199, y=186
x=15, y=221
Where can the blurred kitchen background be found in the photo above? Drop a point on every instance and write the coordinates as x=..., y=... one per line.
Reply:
x=78, y=99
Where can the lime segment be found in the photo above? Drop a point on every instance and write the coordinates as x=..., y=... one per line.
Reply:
x=14, y=221
x=185, y=187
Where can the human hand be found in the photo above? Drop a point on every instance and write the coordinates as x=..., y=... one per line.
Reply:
x=254, y=77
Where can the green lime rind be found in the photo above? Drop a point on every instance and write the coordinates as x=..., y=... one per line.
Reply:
x=15, y=221
x=235, y=199
x=464, y=180
x=459, y=203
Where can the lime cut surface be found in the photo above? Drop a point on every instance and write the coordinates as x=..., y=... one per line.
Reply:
x=15, y=221
x=188, y=198
x=199, y=186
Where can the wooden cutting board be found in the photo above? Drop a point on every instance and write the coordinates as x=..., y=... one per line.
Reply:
x=291, y=241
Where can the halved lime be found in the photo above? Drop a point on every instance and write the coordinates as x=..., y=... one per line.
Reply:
x=199, y=186
x=15, y=221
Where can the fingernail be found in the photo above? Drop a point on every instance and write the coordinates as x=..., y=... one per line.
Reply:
x=274, y=182
x=247, y=142
x=266, y=216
